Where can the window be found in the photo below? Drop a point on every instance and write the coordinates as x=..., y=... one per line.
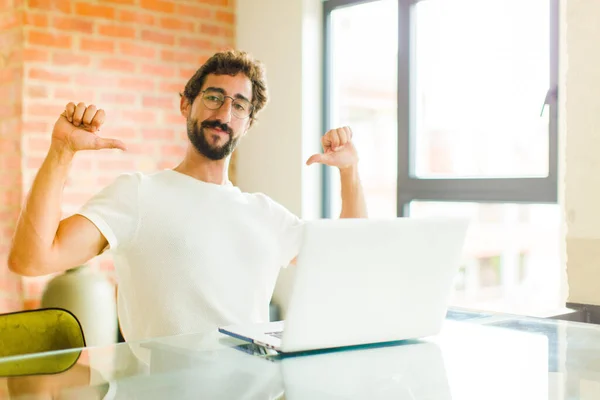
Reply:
x=453, y=106
x=363, y=93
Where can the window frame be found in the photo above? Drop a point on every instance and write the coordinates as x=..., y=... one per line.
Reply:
x=534, y=190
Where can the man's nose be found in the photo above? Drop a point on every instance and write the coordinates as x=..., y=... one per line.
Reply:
x=224, y=112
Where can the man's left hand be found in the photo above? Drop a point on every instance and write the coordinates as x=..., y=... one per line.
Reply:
x=338, y=149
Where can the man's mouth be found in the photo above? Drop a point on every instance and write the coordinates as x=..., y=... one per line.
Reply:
x=219, y=131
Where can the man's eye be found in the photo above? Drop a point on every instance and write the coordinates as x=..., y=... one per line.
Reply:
x=239, y=107
x=213, y=98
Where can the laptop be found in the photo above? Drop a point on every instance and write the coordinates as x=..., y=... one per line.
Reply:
x=365, y=281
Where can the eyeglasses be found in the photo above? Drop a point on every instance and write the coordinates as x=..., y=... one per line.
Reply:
x=213, y=100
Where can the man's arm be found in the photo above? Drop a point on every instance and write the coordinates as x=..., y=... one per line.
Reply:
x=339, y=151
x=43, y=244
x=353, y=198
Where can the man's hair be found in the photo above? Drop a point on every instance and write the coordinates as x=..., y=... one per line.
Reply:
x=232, y=62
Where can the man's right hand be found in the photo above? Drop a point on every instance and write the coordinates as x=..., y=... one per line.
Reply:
x=76, y=129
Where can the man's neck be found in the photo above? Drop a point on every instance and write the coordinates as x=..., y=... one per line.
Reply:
x=206, y=170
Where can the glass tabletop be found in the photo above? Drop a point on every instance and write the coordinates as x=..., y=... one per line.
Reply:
x=476, y=356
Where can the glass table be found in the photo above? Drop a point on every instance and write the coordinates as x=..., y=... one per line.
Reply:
x=476, y=356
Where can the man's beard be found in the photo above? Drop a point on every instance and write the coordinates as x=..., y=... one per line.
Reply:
x=197, y=136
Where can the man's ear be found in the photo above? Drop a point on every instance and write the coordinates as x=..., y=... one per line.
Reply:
x=184, y=106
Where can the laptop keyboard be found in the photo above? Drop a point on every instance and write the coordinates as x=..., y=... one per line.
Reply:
x=278, y=335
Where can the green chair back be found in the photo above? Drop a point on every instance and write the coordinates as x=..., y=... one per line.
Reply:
x=30, y=332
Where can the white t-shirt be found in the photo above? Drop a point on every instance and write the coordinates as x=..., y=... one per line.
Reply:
x=189, y=255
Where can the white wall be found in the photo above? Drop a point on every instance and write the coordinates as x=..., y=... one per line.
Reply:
x=580, y=123
x=286, y=36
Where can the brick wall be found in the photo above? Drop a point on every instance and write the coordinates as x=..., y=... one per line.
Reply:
x=11, y=70
x=129, y=57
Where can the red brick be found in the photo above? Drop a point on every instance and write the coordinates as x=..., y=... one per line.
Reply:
x=9, y=20
x=159, y=134
x=136, y=84
x=224, y=16
x=10, y=162
x=48, y=76
x=187, y=73
x=166, y=165
x=203, y=58
x=32, y=304
x=37, y=92
x=158, y=5
x=128, y=2
x=51, y=5
x=120, y=132
x=75, y=95
x=51, y=110
x=36, y=55
x=116, y=165
x=14, y=57
x=8, y=145
x=10, y=131
x=136, y=50
x=117, y=64
x=35, y=127
x=196, y=44
x=139, y=116
x=141, y=148
x=173, y=118
x=72, y=24
x=118, y=98
x=34, y=162
x=75, y=198
x=12, y=305
x=179, y=57
x=198, y=12
x=10, y=283
x=171, y=150
x=158, y=70
x=49, y=39
x=71, y=59
x=86, y=9
x=216, y=2
x=157, y=37
x=216, y=30
x=81, y=164
x=11, y=38
x=118, y=31
x=166, y=102
x=38, y=143
x=8, y=110
x=10, y=95
x=8, y=198
x=177, y=24
x=34, y=19
x=32, y=288
x=8, y=306
x=136, y=17
x=106, y=46
x=174, y=87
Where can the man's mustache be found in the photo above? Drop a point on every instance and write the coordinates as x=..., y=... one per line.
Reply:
x=217, y=125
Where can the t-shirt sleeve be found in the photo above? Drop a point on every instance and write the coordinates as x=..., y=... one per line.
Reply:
x=114, y=210
x=289, y=228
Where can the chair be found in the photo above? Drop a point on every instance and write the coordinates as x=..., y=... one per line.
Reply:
x=29, y=332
